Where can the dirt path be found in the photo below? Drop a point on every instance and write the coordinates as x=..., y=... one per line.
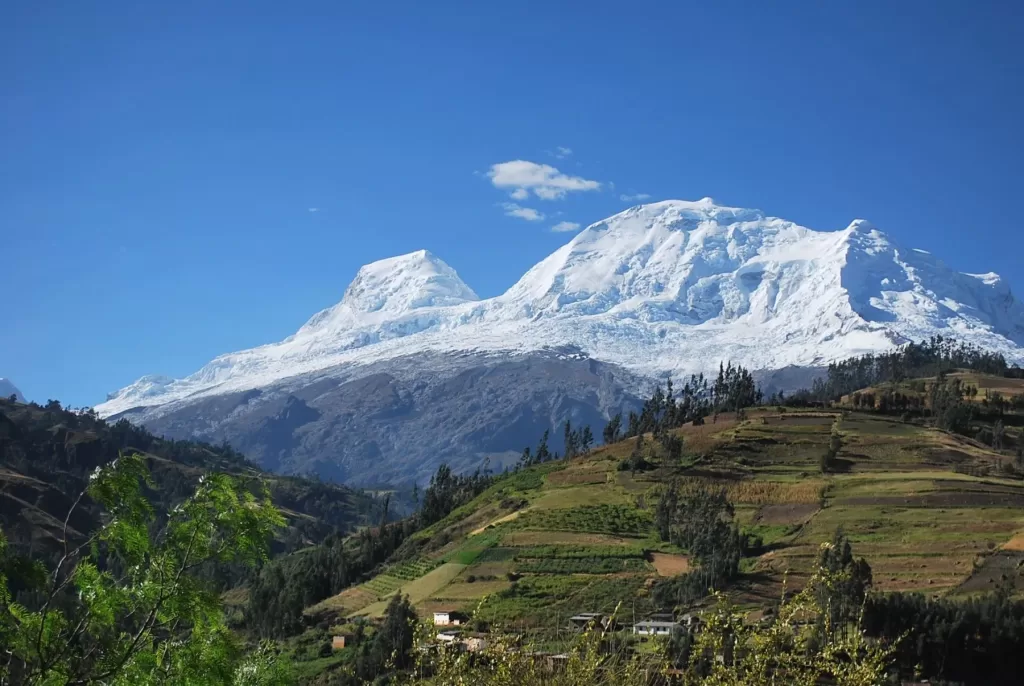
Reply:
x=499, y=520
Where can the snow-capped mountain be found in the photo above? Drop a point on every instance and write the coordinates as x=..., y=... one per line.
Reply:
x=8, y=389
x=411, y=368
x=669, y=287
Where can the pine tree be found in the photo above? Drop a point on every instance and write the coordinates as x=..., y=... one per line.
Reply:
x=586, y=440
x=998, y=434
x=612, y=428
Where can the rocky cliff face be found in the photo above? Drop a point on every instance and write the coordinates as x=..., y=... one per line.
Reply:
x=396, y=421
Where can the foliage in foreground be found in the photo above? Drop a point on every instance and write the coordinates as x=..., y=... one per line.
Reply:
x=800, y=644
x=124, y=605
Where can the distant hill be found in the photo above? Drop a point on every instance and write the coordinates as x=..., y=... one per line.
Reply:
x=47, y=454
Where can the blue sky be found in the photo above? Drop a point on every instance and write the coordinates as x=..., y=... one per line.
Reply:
x=158, y=165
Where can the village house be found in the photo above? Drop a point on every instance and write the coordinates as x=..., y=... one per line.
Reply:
x=651, y=627
x=450, y=637
x=449, y=618
x=584, y=619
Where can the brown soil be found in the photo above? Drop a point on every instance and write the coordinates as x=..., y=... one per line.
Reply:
x=1004, y=566
x=941, y=499
x=797, y=513
x=1015, y=544
x=670, y=565
x=568, y=477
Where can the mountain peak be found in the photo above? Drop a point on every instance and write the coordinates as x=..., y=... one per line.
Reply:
x=671, y=286
x=406, y=282
x=394, y=286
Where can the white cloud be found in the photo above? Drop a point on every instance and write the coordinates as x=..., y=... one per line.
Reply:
x=527, y=213
x=565, y=226
x=314, y=209
x=545, y=181
x=562, y=152
x=637, y=197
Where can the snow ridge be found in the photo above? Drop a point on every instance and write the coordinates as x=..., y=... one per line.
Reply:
x=669, y=287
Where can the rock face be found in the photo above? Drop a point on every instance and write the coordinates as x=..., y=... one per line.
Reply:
x=668, y=288
x=395, y=422
x=7, y=389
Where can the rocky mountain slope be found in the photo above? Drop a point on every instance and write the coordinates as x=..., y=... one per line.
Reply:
x=8, y=389
x=668, y=288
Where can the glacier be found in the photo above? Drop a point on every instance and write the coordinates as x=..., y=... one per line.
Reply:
x=666, y=288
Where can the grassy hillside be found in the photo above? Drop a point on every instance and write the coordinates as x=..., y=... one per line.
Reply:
x=931, y=511
x=47, y=454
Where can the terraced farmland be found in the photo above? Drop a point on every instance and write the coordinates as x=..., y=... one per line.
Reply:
x=929, y=510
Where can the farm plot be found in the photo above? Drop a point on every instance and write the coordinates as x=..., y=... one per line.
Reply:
x=578, y=496
x=1002, y=568
x=531, y=538
x=602, y=519
x=908, y=548
x=420, y=589
x=668, y=564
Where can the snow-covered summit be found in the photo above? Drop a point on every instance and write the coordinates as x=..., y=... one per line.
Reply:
x=394, y=287
x=668, y=287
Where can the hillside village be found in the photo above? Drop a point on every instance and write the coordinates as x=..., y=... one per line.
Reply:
x=930, y=502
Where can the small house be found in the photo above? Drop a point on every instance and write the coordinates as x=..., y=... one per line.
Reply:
x=449, y=618
x=585, y=619
x=652, y=627
x=338, y=642
x=450, y=637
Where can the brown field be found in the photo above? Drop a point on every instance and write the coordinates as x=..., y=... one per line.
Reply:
x=584, y=473
x=796, y=513
x=670, y=565
x=751, y=492
x=350, y=600
x=939, y=500
x=1002, y=567
x=1016, y=544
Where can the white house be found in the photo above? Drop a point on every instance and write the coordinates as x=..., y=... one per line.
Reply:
x=653, y=628
x=448, y=618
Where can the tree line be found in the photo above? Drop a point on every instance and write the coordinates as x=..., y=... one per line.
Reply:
x=933, y=357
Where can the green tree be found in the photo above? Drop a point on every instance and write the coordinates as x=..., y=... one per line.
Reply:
x=998, y=434
x=612, y=429
x=124, y=606
x=846, y=581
